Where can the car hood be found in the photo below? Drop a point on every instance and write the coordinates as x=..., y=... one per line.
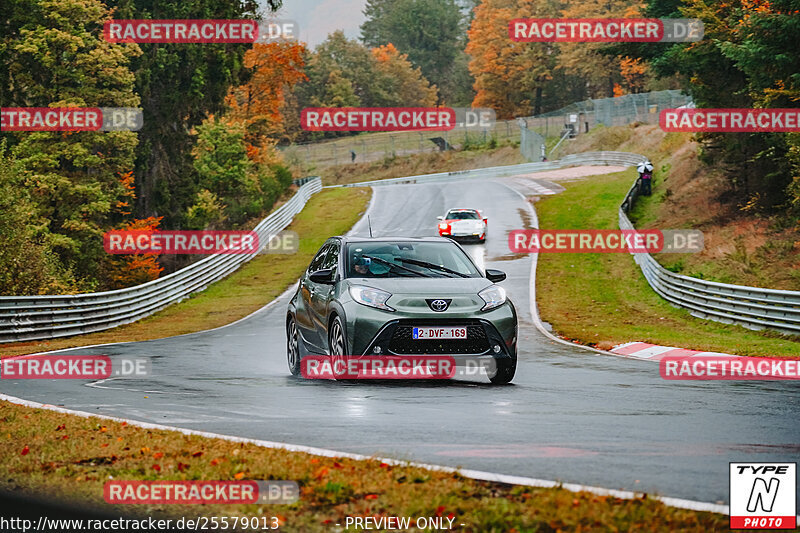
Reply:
x=411, y=295
x=465, y=222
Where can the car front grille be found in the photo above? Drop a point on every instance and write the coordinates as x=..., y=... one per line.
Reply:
x=401, y=342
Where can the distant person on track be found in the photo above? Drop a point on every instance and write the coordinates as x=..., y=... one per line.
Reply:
x=352, y=156
x=645, y=170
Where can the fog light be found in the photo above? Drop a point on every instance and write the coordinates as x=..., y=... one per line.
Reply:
x=496, y=348
x=376, y=349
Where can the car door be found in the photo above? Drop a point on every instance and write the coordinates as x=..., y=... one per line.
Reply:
x=304, y=311
x=323, y=293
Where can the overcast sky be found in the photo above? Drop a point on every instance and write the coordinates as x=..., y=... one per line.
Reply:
x=318, y=18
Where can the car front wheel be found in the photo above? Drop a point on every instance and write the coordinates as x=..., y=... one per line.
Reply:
x=337, y=345
x=506, y=368
x=293, y=347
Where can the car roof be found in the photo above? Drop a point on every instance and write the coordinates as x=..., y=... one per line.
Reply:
x=350, y=239
x=463, y=209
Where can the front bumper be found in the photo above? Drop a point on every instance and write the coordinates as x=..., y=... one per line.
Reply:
x=368, y=328
x=462, y=234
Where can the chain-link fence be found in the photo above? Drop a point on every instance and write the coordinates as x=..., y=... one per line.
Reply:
x=568, y=122
x=618, y=111
x=377, y=146
x=579, y=118
x=531, y=144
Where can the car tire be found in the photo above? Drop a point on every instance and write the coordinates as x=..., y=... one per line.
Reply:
x=506, y=368
x=337, y=342
x=293, y=347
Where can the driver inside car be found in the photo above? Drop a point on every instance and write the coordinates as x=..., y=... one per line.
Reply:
x=361, y=265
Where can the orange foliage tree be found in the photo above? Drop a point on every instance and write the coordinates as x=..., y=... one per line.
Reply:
x=258, y=104
x=512, y=76
x=509, y=76
x=410, y=85
x=602, y=73
x=125, y=270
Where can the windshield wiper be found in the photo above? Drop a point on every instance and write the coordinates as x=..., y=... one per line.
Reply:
x=432, y=266
x=394, y=265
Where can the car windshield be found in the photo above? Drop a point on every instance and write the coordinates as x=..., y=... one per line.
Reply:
x=408, y=259
x=462, y=215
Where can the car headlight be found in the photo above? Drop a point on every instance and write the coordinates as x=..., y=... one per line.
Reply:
x=371, y=297
x=494, y=296
x=443, y=225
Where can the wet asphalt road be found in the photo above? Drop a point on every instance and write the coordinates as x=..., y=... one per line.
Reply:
x=569, y=415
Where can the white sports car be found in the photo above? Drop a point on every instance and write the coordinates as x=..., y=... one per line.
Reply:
x=464, y=224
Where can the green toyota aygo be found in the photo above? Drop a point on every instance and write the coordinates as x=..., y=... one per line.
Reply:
x=401, y=296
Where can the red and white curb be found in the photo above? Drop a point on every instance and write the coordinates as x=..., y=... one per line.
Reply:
x=654, y=352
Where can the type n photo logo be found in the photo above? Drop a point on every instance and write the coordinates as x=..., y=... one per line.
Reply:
x=763, y=495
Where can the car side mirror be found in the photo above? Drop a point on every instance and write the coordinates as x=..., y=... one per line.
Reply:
x=439, y=218
x=325, y=276
x=495, y=275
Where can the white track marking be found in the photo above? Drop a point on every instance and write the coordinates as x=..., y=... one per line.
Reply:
x=323, y=452
x=532, y=286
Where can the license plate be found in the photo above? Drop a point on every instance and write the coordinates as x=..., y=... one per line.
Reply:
x=439, y=333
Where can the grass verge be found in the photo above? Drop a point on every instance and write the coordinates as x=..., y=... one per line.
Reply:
x=68, y=458
x=742, y=246
x=425, y=163
x=330, y=212
x=582, y=297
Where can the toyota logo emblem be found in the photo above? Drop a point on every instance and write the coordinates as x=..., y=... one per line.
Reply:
x=439, y=305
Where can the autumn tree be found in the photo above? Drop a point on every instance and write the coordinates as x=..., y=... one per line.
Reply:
x=28, y=265
x=402, y=78
x=748, y=57
x=342, y=72
x=233, y=186
x=179, y=85
x=510, y=77
x=259, y=103
x=58, y=58
x=601, y=71
x=431, y=34
x=125, y=270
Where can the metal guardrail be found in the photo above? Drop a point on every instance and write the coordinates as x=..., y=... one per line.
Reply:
x=751, y=307
x=302, y=181
x=27, y=318
x=586, y=158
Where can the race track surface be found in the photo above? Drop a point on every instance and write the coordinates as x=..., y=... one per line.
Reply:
x=569, y=414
